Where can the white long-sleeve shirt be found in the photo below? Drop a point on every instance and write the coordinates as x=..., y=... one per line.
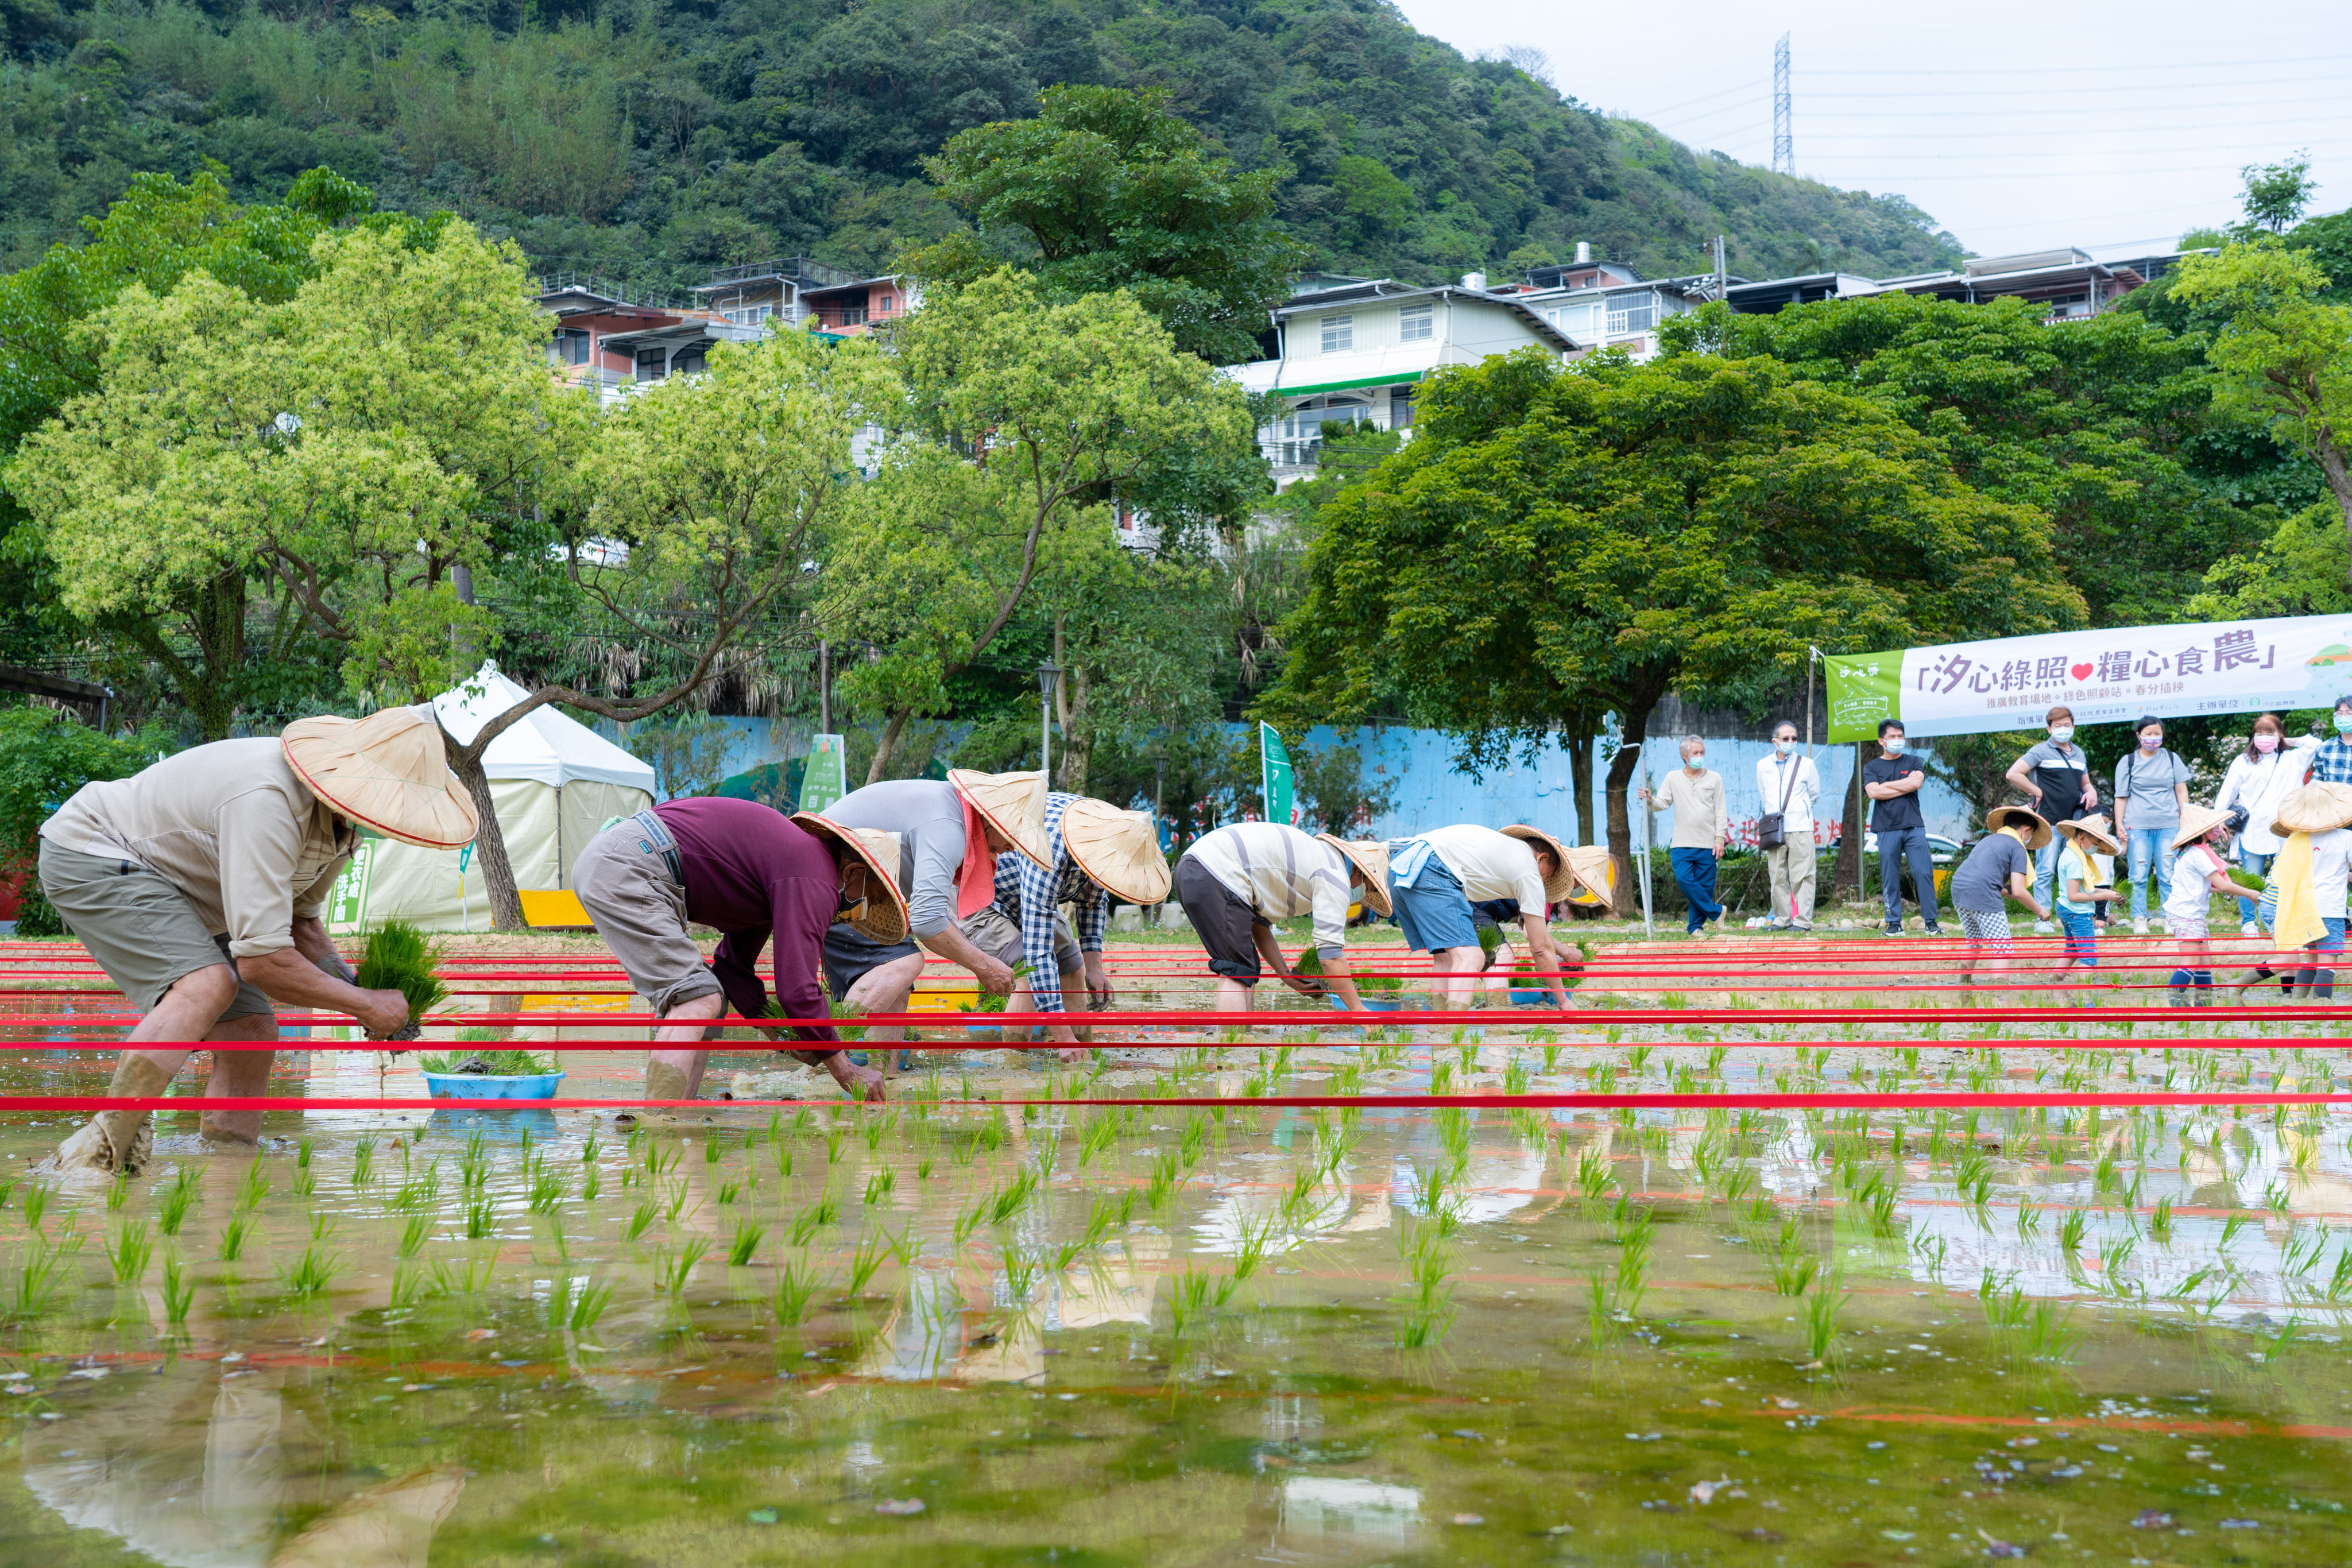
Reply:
x=1772, y=780
x=2258, y=783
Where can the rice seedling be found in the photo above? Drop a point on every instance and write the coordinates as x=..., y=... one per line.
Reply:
x=671, y=1269
x=312, y=1273
x=363, y=1159
x=253, y=1187
x=1098, y=1137
x=39, y=1272
x=1022, y=1267
x=133, y=1246
x=2029, y=1219
x=464, y=1278
x=173, y=1202
x=879, y=1182
x=836, y=1140
x=796, y=1286
x=2302, y=1251
x=1107, y=1214
x=233, y=1236
x=681, y=1202
x=179, y=1291
x=590, y=1182
x=2113, y=1254
x=749, y=1234
x=1793, y=1271
x=2231, y=1228
x=548, y=1189
x=582, y=1301
x=2339, y=1282
x=710, y=1151
x=399, y=959
x=2050, y=1332
x=1252, y=1242
x=2159, y=1221
x=1594, y=1174
x=1823, y=1307
x=2071, y=1229
x=1188, y=1298
x=117, y=1191
x=481, y=1216
x=823, y=1212
x=408, y=1288
x=1012, y=1196
x=640, y=1219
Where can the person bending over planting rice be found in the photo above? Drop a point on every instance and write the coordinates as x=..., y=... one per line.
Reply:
x=1434, y=879
x=1096, y=850
x=197, y=887
x=758, y=878
x=1235, y=882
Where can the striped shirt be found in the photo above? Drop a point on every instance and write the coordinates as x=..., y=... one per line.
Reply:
x=1031, y=897
x=1280, y=871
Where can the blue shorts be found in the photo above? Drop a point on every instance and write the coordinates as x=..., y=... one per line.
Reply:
x=1434, y=911
x=2082, y=938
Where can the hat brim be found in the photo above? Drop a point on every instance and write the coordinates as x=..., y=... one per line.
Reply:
x=1133, y=878
x=980, y=791
x=2314, y=808
x=2193, y=829
x=430, y=816
x=2077, y=830
x=2001, y=817
x=1562, y=881
x=1599, y=882
x=1376, y=878
x=885, y=920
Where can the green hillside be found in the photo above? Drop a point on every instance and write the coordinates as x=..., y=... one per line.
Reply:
x=653, y=140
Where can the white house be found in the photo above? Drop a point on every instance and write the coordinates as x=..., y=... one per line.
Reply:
x=1355, y=352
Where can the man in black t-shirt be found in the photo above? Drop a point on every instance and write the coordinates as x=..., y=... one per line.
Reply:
x=1894, y=781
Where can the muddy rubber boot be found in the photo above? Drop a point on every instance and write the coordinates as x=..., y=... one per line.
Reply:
x=118, y=1143
x=2176, y=997
x=2237, y=987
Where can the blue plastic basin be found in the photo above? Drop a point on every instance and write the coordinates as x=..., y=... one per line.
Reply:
x=491, y=1085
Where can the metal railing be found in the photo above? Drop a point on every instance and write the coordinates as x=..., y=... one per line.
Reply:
x=605, y=288
x=799, y=268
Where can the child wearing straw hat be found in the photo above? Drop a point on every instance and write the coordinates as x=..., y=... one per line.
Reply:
x=1097, y=852
x=2199, y=873
x=2001, y=865
x=2079, y=891
x=197, y=885
x=761, y=880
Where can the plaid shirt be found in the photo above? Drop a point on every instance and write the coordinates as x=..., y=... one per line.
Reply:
x=1031, y=899
x=2331, y=763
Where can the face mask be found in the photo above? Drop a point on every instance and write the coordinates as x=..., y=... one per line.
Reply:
x=2062, y=732
x=1696, y=763
x=2151, y=743
x=2344, y=724
x=2266, y=743
x=1894, y=747
x=1782, y=747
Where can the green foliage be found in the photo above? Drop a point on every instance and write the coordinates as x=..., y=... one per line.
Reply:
x=399, y=958
x=1106, y=189
x=2274, y=195
x=45, y=756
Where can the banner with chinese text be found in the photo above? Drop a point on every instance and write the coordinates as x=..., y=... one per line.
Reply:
x=1973, y=688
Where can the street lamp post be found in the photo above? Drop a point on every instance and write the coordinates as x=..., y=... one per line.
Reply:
x=1049, y=677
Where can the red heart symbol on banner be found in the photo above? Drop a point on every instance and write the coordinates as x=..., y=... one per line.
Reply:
x=2082, y=672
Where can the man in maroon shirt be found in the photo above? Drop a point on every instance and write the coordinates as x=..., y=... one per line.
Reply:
x=757, y=878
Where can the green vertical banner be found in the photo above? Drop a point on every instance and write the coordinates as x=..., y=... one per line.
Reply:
x=347, y=898
x=1864, y=689
x=827, y=778
x=1273, y=772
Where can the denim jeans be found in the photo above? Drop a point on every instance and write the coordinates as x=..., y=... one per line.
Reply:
x=2259, y=863
x=2323, y=981
x=1695, y=874
x=2046, y=871
x=2149, y=848
x=1894, y=847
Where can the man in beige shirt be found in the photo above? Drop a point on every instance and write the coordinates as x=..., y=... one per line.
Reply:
x=197, y=887
x=1702, y=824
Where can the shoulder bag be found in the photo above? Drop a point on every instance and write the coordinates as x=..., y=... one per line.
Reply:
x=1771, y=830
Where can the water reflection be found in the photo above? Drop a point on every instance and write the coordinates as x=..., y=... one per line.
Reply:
x=197, y=1465
x=1331, y=1516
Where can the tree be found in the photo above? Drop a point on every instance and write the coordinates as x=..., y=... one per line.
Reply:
x=1556, y=542
x=1022, y=418
x=2285, y=355
x=203, y=635
x=2273, y=195
x=1108, y=190
x=45, y=756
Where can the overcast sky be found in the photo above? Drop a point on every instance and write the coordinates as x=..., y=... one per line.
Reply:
x=2017, y=127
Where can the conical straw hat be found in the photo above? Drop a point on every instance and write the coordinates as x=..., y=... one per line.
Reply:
x=1014, y=805
x=1562, y=881
x=2001, y=817
x=2196, y=821
x=883, y=919
x=1372, y=858
x=1119, y=850
x=387, y=772
x=1596, y=875
x=2314, y=808
x=2095, y=828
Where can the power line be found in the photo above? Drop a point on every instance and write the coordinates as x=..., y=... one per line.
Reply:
x=2071, y=71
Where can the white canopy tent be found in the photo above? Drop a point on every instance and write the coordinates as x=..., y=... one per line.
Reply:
x=554, y=782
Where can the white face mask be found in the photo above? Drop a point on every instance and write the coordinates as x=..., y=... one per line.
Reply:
x=1784, y=747
x=1893, y=745
x=2062, y=732
x=1695, y=762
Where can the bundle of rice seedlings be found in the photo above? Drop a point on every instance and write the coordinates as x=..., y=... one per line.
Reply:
x=489, y=1063
x=399, y=959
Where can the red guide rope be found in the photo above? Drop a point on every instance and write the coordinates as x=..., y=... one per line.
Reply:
x=1823, y=1102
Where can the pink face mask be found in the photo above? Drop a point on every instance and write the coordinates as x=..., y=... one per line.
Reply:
x=2265, y=742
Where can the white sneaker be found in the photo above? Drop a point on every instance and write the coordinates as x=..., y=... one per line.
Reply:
x=2248, y=928
x=2139, y=927
x=2044, y=928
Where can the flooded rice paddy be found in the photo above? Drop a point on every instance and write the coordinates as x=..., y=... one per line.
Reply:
x=939, y=1333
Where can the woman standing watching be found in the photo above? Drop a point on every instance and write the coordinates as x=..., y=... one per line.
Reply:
x=2258, y=780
